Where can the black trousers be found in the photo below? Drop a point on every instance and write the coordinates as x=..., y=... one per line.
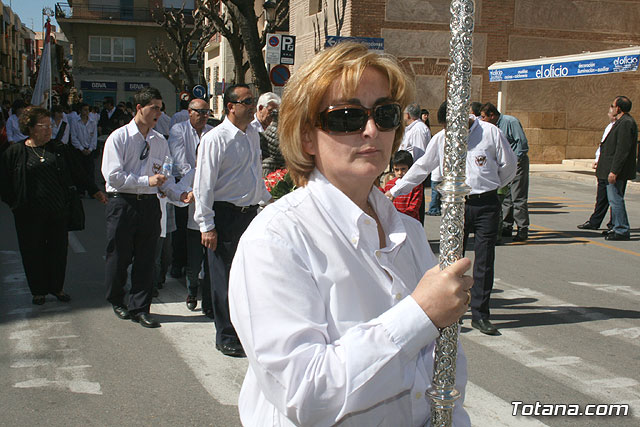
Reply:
x=481, y=216
x=133, y=228
x=88, y=163
x=179, y=238
x=230, y=225
x=602, y=204
x=43, y=242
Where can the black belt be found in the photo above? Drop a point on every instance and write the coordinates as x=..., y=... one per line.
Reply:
x=131, y=196
x=241, y=209
x=486, y=194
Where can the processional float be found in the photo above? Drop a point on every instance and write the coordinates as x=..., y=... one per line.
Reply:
x=453, y=189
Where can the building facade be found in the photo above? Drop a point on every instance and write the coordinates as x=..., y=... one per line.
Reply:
x=563, y=118
x=17, y=56
x=110, y=42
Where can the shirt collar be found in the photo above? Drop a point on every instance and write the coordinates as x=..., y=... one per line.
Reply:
x=411, y=125
x=350, y=219
x=132, y=129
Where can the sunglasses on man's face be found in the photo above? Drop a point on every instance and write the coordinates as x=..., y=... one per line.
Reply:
x=350, y=119
x=201, y=111
x=247, y=101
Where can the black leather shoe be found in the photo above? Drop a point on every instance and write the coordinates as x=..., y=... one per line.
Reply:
x=506, y=232
x=192, y=302
x=484, y=326
x=616, y=236
x=208, y=313
x=521, y=236
x=38, y=299
x=121, y=312
x=605, y=232
x=587, y=226
x=146, y=320
x=232, y=350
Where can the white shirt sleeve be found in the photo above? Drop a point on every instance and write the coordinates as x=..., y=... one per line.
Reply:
x=418, y=172
x=307, y=377
x=76, y=134
x=177, y=148
x=205, y=179
x=112, y=171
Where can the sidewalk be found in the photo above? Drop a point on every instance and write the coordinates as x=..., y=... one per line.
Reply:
x=578, y=170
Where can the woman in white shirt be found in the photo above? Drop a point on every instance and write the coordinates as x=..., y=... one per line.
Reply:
x=328, y=291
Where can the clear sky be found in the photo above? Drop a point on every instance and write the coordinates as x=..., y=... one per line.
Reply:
x=30, y=11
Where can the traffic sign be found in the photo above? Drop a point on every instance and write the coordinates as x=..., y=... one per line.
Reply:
x=373, y=43
x=185, y=96
x=288, y=50
x=199, y=91
x=272, y=55
x=279, y=75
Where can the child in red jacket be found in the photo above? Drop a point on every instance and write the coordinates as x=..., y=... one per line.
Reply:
x=409, y=204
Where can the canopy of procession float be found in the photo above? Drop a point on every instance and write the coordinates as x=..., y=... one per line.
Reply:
x=578, y=65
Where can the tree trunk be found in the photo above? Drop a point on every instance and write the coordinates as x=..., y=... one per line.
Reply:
x=249, y=29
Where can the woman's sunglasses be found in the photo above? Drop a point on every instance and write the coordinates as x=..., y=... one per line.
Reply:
x=350, y=119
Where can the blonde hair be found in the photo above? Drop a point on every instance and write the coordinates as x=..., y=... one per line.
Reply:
x=344, y=63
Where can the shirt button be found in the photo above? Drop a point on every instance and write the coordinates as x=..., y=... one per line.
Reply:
x=367, y=222
x=378, y=254
x=354, y=241
x=418, y=395
x=398, y=296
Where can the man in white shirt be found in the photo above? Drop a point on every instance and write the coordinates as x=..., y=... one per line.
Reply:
x=491, y=164
x=267, y=103
x=132, y=168
x=415, y=140
x=84, y=138
x=182, y=115
x=184, y=140
x=13, y=127
x=228, y=185
x=58, y=117
x=164, y=123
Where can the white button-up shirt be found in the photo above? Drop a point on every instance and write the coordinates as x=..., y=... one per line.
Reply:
x=13, y=130
x=84, y=136
x=183, y=143
x=178, y=117
x=491, y=163
x=256, y=124
x=416, y=138
x=56, y=127
x=163, y=124
x=125, y=172
x=229, y=170
x=325, y=315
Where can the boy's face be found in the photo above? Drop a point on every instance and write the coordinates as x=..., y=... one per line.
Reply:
x=400, y=170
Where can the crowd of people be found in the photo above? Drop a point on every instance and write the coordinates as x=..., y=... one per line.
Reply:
x=331, y=292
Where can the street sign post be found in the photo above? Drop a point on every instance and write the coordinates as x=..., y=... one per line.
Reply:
x=280, y=49
x=199, y=91
x=372, y=43
x=185, y=96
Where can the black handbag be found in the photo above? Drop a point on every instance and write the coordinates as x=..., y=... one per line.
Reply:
x=76, y=211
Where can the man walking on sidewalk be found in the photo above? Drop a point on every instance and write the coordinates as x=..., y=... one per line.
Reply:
x=617, y=164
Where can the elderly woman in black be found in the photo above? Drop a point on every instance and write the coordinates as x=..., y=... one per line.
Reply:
x=35, y=179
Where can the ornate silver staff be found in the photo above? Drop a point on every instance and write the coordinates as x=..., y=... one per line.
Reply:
x=442, y=391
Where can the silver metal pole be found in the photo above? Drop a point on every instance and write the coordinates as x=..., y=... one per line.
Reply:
x=442, y=391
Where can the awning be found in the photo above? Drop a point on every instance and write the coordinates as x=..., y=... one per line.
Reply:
x=583, y=64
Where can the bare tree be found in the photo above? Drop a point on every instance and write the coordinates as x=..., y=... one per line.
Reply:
x=238, y=23
x=188, y=35
x=339, y=8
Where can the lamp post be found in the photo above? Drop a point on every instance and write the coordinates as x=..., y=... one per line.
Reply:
x=269, y=8
x=453, y=188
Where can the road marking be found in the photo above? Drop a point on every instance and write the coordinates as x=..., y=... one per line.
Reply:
x=632, y=333
x=486, y=409
x=75, y=244
x=612, y=289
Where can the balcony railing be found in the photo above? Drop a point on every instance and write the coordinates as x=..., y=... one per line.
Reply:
x=109, y=13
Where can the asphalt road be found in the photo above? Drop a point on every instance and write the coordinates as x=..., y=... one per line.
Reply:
x=565, y=302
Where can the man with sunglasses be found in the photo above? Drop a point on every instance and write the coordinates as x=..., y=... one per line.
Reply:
x=132, y=168
x=228, y=185
x=491, y=164
x=184, y=140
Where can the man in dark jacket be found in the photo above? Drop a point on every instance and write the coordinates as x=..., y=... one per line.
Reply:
x=111, y=118
x=617, y=164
